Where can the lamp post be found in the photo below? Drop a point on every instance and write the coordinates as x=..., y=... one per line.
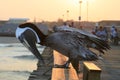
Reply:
x=80, y=2
x=67, y=15
x=63, y=17
x=87, y=9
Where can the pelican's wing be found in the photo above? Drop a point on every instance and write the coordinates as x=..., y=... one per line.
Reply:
x=70, y=44
x=89, y=39
x=64, y=28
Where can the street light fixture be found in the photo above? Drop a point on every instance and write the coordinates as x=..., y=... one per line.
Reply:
x=87, y=10
x=80, y=2
x=67, y=15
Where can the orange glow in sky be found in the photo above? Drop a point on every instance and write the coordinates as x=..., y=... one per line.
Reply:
x=51, y=10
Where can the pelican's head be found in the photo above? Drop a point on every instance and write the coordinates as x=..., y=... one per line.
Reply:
x=28, y=34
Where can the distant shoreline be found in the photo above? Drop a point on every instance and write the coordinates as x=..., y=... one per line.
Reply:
x=7, y=34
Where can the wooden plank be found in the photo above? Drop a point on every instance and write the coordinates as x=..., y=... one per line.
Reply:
x=58, y=74
x=72, y=73
x=59, y=58
x=61, y=73
x=91, y=71
x=91, y=66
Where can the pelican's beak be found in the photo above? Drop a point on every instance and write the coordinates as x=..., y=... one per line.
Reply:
x=30, y=44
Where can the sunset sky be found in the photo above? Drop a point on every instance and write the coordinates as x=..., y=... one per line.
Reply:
x=51, y=10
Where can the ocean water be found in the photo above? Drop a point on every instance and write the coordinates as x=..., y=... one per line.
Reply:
x=16, y=62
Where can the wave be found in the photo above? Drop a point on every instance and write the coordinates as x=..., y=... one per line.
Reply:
x=6, y=45
x=28, y=72
x=14, y=75
x=28, y=57
x=17, y=45
x=11, y=45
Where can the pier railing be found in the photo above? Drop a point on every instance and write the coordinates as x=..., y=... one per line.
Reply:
x=91, y=71
x=61, y=73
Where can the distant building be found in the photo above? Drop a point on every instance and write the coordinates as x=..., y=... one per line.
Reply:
x=109, y=22
x=17, y=20
x=2, y=22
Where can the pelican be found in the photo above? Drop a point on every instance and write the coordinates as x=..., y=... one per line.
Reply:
x=70, y=42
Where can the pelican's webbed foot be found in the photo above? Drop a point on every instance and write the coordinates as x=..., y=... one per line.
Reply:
x=61, y=66
x=66, y=65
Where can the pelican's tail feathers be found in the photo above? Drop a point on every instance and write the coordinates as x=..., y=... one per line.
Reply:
x=99, y=44
x=86, y=54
